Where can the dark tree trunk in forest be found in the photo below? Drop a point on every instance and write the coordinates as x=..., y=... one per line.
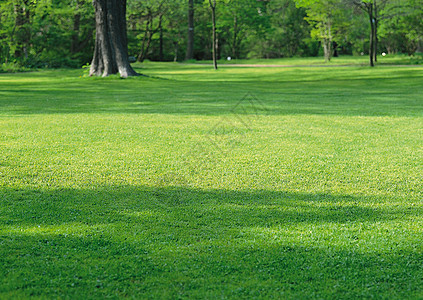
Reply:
x=372, y=32
x=376, y=41
x=376, y=21
x=335, y=49
x=111, y=45
x=214, y=43
x=235, y=38
x=190, y=46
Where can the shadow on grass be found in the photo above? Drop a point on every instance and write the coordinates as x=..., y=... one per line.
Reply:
x=330, y=92
x=176, y=242
x=241, y=208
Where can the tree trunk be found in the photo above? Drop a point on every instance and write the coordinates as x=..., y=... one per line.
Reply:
x=148, y=37
x=150, y=31
x=372, y=31
x=327, y=49
x=213, y=8
x=375, y=41
x=111, y=45
x=375, y=28
x=190, y=46
x=327, y=42
x=141, y=55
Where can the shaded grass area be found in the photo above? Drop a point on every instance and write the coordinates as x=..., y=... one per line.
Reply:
x=176, y=242
x=259, y=183
x=177, y=89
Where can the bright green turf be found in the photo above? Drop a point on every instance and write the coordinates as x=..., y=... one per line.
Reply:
x=173, y=187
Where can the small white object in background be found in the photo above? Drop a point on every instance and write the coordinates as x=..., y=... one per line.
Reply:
x=229, y=58
x=383, y=54
x=362, y=53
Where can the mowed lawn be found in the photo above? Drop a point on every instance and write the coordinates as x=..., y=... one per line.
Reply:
x=294, y=183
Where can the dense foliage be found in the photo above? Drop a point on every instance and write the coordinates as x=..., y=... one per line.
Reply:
x=53, y=33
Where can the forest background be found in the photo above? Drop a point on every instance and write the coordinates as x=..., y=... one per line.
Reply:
x=53, y=34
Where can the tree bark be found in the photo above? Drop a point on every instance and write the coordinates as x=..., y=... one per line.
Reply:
x=327, y=42
x=327, y=49
x=190, y=45
x=111, y=45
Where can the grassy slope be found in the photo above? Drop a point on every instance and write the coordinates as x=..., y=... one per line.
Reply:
x=284, y=182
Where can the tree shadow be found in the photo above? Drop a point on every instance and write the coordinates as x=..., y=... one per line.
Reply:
x=179, y=242
x=293, y=92
x=109, y=205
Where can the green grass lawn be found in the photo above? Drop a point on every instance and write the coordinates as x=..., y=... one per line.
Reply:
x=343, y=60
x=246, y=183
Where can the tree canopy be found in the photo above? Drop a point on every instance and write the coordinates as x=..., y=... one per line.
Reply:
x=51, y=33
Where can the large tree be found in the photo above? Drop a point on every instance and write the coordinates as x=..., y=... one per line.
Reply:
x=111, y=44
x=327, y=19
x=378, y=10
x=370, y=7
x=402, y=29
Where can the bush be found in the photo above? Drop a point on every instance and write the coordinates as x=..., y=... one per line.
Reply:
x=51, y=62
x=12, y=67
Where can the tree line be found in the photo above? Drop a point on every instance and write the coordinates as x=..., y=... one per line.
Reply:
x=61, y=33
